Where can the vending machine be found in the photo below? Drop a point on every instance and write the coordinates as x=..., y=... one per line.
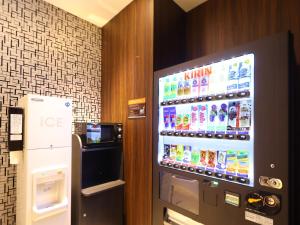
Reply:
x=221, y=138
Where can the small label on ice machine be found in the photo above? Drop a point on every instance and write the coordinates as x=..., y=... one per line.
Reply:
x=255, y=218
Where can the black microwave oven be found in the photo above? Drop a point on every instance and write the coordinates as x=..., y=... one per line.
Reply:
x=95, y=134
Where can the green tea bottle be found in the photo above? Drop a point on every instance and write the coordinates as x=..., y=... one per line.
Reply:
x=195, y=157
x=167, y=89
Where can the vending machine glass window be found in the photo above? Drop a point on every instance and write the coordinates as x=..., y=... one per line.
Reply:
x=206, y=120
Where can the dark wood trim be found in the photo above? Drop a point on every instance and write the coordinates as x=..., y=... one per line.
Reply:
x=127, y=73
x=169, y=34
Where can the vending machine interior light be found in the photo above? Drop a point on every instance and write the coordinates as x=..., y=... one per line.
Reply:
x=216, y=103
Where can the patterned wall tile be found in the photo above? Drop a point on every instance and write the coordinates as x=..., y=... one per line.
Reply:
x=47, y=51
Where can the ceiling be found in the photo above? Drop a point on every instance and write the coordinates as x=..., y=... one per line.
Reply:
x=98, y=12
x=188, y=5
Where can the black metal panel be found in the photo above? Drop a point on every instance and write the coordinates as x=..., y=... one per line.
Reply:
x=105, y=208
x=100, y=166
x=271, y=146
x=92, y=167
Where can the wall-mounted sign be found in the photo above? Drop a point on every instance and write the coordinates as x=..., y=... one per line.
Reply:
x=137, y=108
x=15, y=127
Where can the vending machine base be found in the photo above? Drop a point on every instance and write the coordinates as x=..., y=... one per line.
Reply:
x=172, y=217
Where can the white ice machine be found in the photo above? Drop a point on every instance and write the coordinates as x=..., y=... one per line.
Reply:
x=44, y=166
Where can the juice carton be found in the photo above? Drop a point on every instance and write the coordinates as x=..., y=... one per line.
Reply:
x=243, y=163
x=221, y=124
x=203, y=117
x=187, y=154
x=213, y=78
x=203, y=158
x=221, y=162
x=231, y=162
x=166, y=112
x=179, y=153
x=233, y=77
x=233, y=115
x=245, y=74
x=212, y=115
x=195, y=157
x=211, y=160
x=167, y=151
x=167, y=89
x=245, y=114
x=218, y=79
x=186, y=119
x=195, y=87
x=172, y=112
x=222, y=78
x=173, y=152
x=194, y=118
x=204, y=82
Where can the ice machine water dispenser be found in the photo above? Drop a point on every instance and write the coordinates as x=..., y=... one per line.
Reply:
x=49, y=192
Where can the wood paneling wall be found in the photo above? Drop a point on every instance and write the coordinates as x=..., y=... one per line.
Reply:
x=127, y=73
x=218, y=25
x=169, y=34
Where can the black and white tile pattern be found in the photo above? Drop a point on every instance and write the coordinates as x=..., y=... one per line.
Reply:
x=47, y=51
